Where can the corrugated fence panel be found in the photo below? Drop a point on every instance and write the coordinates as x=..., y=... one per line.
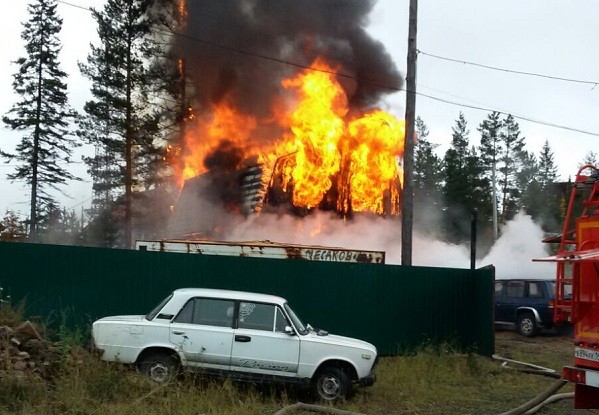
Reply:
x=396, y=308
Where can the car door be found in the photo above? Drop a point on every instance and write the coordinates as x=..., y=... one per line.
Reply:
x=499, y=298
x=515, y=293
x=203, y=332
x=260, y=344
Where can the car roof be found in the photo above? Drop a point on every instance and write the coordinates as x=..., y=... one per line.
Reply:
x=230, y=295
x=525, y=279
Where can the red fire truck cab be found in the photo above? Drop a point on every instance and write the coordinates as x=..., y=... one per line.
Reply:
x=577, y=261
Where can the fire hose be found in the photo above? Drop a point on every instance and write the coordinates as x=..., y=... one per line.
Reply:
x=528, y=408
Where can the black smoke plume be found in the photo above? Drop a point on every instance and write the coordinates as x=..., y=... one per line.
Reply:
x=238, y=49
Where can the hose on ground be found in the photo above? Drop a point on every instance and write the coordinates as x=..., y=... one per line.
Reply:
x=528, y=408
x=530, y=368
x=537, y=400
x=551, y=399
x=314, y=408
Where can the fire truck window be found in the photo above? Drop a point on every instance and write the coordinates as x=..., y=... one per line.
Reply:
x=535, y=290
x=256, y=316
x=515, y=289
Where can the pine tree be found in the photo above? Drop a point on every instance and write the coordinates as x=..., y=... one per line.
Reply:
x=42, y=113
x=511, y=155
x=465, y=188
x=428, y=176
x=12, y=228
x=122, y=120
x=490, y=150
x=547, y=166
x=527, y=180
x=551, y=192
x=589, y=158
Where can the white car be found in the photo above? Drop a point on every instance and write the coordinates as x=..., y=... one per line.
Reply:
x=239, y=334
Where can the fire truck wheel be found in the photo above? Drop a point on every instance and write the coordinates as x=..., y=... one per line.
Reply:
x=527, y=325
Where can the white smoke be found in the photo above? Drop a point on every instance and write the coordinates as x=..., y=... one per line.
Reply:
x=511, y=255
x=513, y=252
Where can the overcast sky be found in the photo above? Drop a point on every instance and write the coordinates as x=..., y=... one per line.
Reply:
x=556, y=38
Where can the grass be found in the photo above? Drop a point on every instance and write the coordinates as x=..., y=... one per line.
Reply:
x=433, y=381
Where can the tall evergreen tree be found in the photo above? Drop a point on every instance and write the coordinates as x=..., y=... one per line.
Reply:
x=550, y=213
x=547, y=166
x=490, y=150
x=428, y=176
x=465, y=188
x=121, y=119
x=527, y=179
x=510, y=165
x=42, y=112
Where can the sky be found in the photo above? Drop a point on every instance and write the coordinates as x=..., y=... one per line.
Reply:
x=552, y=38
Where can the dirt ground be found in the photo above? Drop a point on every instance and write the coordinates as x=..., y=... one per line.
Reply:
x=548, y=349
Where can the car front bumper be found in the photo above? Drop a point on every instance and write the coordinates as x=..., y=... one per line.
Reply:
x=367, y=380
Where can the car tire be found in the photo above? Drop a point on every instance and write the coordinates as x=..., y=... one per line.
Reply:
x=159, y=367
x=330, y=384
x=527, y=324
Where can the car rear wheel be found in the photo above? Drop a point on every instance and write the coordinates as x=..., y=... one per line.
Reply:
x=331, y=383
x=159, y=367
x=527, y=325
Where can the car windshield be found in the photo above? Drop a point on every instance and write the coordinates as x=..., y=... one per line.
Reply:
x=299, y=326
x=150, y=316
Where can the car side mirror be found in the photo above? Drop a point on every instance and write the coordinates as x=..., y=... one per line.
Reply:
x=289, y=330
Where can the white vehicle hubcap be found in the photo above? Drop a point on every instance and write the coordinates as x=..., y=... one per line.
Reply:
x=159, y=372
x=330, y=387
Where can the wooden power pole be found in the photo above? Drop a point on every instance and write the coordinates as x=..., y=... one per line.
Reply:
x=407, y=203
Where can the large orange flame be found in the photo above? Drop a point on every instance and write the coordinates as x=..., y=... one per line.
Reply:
x=325, y=151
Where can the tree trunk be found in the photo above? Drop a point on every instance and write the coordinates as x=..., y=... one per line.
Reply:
x=128, y=145
x=36, y=135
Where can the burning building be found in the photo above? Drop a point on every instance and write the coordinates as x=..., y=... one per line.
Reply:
x=284, y=99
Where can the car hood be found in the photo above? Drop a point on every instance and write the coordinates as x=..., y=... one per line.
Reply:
x=313, y=336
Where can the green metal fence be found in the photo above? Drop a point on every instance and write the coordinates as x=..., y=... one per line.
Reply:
x=394, y=307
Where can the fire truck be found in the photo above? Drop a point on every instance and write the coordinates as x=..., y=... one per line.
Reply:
x=577, y=261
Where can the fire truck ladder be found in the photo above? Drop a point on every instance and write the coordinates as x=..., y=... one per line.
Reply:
x=569, y=243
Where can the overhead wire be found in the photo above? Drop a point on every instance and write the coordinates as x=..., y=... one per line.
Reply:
x=388, y=87
x=495, y=68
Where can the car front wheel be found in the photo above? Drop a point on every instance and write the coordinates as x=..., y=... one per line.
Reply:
x=159, y=367
x=331, y=384
x=527, y=325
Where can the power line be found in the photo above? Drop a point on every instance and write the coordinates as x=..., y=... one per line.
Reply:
x=495, y=68
x=520, y=117
x=74, y=5
x=392, y=88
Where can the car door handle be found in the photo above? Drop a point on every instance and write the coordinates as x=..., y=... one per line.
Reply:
x=243, y=339
x=178, y=332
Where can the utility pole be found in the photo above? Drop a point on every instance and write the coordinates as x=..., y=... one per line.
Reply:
x=407, y=201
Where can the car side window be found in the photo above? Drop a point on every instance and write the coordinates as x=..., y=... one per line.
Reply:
x=256, y=316
x=208, y=312
x=515, y=289
x=535, y=290
x=280, y=321
x=498, y=289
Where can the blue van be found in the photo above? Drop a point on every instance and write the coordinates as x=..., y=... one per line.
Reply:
x=527, y=303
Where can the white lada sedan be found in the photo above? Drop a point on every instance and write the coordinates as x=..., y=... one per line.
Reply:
x=242, y=335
